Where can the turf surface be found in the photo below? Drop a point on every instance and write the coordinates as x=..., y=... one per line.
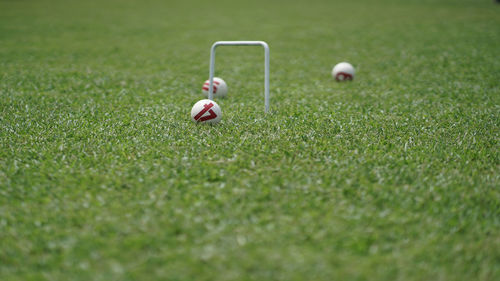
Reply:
x=394, y=176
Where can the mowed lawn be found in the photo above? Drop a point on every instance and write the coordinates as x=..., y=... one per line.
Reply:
x=394, y=176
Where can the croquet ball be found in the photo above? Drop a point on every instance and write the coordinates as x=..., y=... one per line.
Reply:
x=220, y=88
x=343, y=71
x=206, y=111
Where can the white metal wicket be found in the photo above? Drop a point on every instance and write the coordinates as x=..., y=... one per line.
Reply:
x=241, y=43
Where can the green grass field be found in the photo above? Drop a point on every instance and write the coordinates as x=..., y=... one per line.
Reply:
x=395, y=176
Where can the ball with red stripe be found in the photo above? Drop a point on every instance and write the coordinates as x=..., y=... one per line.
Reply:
x=343, y=71
x=220, y=88
x=206, y=111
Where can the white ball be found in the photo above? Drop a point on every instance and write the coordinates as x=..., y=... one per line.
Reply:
x=220, y=88
x=206, y=111
x=343, y=71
